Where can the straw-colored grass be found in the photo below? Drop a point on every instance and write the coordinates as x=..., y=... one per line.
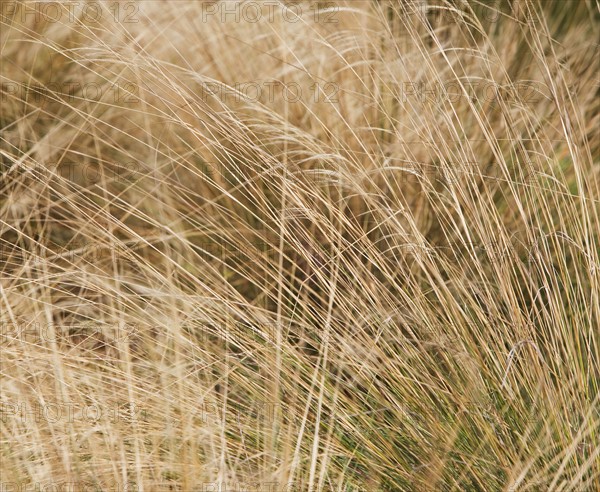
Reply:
x=383, y=274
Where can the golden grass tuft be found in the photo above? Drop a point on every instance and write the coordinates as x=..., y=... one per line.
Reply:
x=349, y=246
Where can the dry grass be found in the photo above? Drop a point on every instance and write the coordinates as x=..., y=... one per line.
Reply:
x=374, y=287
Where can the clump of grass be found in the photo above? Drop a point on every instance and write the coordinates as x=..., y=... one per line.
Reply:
x=382, y=273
